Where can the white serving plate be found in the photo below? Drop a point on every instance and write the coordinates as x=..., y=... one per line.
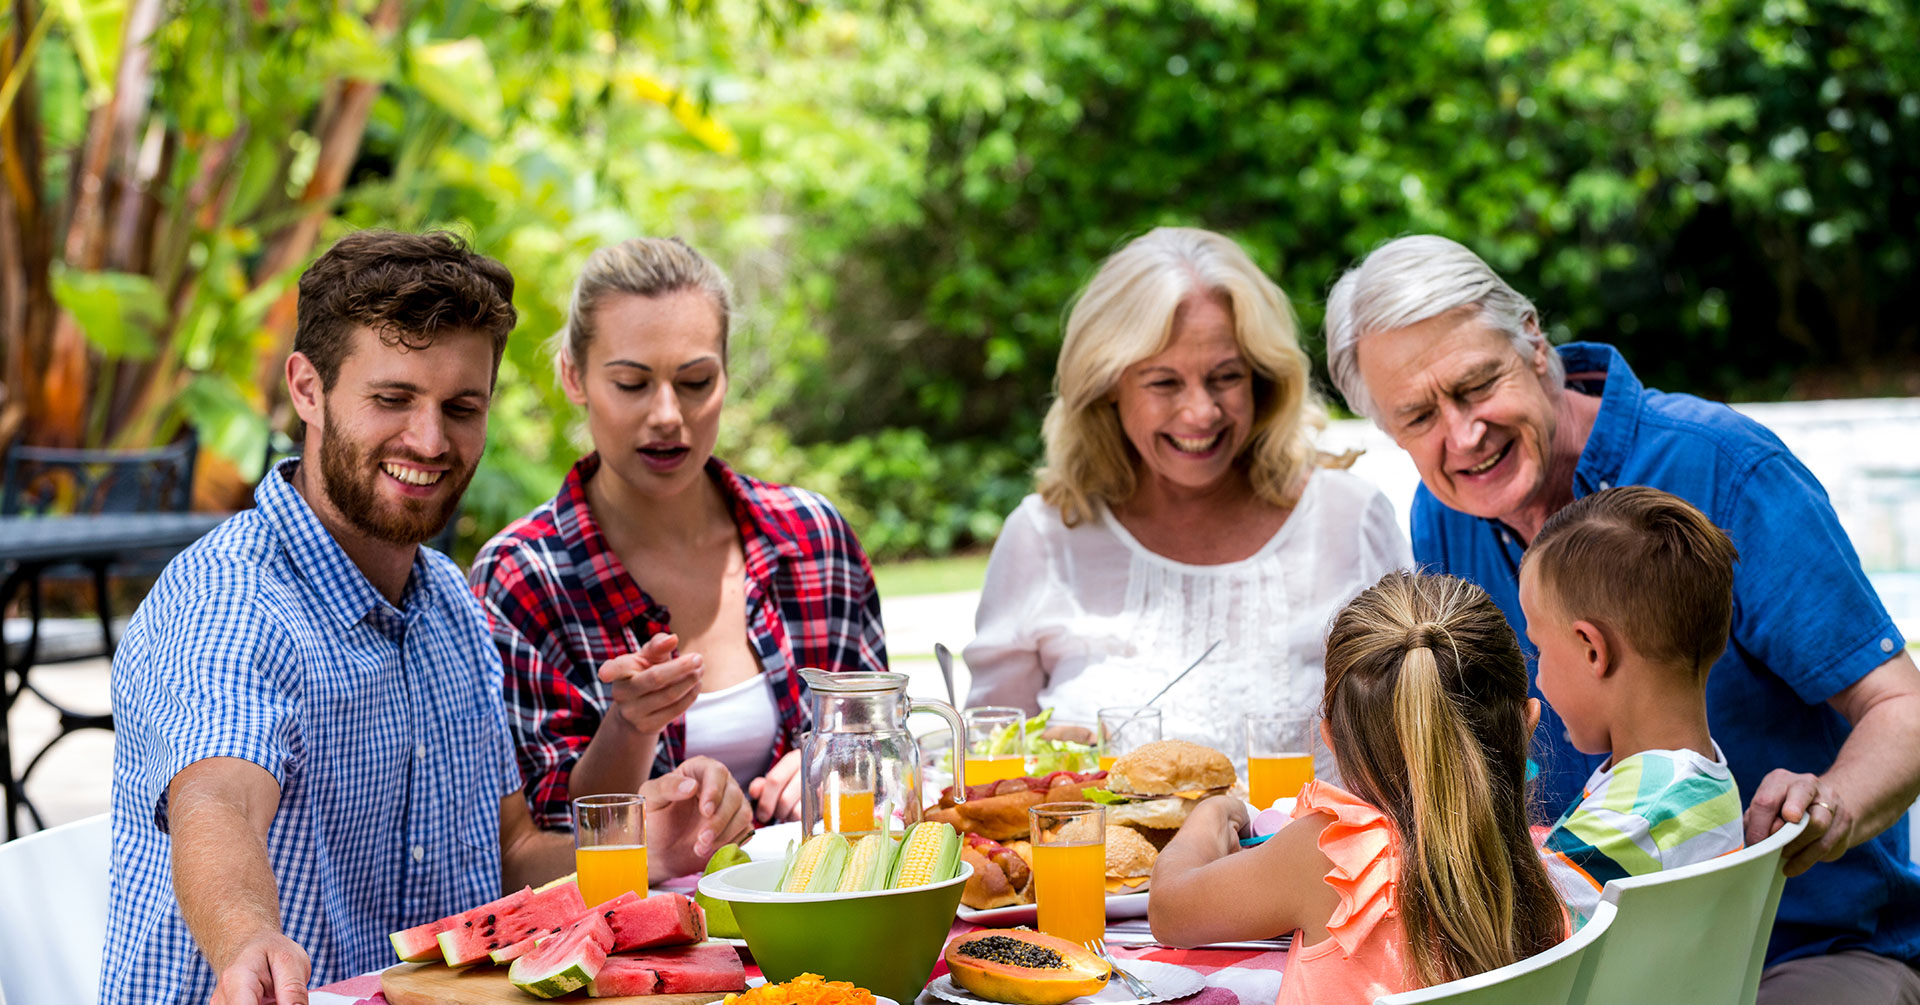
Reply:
x=1165, y=980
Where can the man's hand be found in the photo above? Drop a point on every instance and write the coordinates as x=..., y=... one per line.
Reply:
x=269, y=970
x=1788, y=797
x=653, y=687
x=1870, y=784
x=692, y=811
x=776, y=795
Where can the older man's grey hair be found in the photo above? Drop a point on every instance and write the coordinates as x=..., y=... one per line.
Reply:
x=1408, y=280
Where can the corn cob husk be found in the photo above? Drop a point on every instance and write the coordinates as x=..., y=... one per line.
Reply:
x=930, y=854
x=815, y=866
x=869, y=864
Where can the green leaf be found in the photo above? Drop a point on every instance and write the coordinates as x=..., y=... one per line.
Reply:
x=458, y=77
x=120, y=312
x=94, y=29
x=1104, y=797
x=226, y=422
x=352, y=50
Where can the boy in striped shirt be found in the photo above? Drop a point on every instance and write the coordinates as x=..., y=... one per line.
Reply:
x=1628, y=594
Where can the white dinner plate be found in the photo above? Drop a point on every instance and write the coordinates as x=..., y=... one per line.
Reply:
x=1119, y=905
x=1165, y=980
x=770, y=842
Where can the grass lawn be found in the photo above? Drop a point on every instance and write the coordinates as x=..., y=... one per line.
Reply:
x=931, y=575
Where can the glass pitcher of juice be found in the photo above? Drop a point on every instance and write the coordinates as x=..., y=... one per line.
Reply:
x=859, y=767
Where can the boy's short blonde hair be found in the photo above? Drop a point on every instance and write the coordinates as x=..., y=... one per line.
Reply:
x=1646, y=564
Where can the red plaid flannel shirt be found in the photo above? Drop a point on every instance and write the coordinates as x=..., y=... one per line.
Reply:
x=560, y=604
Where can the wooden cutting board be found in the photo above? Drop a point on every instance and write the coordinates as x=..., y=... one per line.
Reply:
x=439, y=984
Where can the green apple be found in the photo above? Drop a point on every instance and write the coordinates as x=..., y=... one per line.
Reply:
x=720, y=922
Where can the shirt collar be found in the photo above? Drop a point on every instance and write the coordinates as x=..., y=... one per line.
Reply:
x=750, y=515
x=1614, y=429
x=344, y=591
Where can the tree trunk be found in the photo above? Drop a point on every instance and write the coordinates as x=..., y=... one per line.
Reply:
x=26, y=243
x=340, y=135
x=105, y=178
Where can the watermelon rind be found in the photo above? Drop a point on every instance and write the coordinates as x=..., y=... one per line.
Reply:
x=572, y=877
x=555, y=970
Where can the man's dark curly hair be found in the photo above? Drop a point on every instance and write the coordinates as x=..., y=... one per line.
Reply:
x=407, y=287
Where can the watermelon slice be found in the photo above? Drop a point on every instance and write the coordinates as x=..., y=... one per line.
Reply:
x=565, y=963
x=663, y=919
x=542, y=913
x=624, y=975
x=707, y=967
x=609, y=911
x=420, y=943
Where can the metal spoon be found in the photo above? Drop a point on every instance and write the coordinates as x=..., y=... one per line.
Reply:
x=945, y=658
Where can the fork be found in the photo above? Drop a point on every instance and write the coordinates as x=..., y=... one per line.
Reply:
x=1098, y=947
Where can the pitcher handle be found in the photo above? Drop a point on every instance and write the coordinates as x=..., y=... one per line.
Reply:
x=959, y=727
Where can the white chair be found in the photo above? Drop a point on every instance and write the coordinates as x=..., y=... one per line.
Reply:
x=53, y=913
x=1697, y=934
x=1542, y=979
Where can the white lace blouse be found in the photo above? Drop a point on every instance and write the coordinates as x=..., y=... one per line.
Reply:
x=1087, y=617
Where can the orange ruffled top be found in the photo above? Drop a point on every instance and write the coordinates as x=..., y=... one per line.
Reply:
x=1364, y=955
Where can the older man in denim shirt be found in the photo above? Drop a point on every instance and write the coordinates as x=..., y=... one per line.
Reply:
x=1815, y=702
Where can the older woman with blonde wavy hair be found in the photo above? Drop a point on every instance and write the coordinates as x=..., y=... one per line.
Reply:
x=1183, y=502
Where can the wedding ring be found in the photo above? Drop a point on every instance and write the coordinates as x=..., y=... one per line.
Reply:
x=1832, y=810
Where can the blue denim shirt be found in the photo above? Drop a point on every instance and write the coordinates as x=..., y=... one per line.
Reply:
x=1806, y=625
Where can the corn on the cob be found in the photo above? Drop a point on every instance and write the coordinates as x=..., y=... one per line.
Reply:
x=869, y=864
x=930, y=854
x=815, y=866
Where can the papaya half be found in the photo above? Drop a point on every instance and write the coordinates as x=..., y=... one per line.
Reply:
x=1024, y=967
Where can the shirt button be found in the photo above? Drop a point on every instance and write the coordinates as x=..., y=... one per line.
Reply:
x=1505, y=538
x=420, y=751
x=1605, y=485
x=1886, y=645
x=419, y=853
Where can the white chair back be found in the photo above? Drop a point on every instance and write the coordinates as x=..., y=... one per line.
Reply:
x=1542, y=979
x=53, y=913
x=1696, y=934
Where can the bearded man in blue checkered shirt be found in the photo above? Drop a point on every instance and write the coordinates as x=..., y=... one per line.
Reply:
x=312, y=744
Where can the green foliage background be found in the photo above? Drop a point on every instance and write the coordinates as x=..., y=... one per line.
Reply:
x=909, y=194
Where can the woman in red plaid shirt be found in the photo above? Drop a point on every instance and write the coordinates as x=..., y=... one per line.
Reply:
x=652, y=614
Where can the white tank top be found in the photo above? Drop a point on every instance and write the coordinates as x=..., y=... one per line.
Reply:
x=736, y=727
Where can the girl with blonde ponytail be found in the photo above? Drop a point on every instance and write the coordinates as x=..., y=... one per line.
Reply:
x=1421, y=871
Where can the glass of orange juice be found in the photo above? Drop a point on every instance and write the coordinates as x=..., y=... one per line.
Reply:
x=1070, y=869
x=1125, y=727
x=610, y=845
x=996, y=744
x=1279, y=756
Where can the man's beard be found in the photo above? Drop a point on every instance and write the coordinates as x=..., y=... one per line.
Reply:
x=349, y=474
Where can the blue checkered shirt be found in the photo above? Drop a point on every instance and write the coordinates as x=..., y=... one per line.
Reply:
x=383, y=726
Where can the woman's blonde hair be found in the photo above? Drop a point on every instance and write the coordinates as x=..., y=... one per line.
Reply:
x=646, y=267
x=1126, y=314
x=1426, y=701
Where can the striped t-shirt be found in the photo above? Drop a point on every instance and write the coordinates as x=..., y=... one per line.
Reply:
x=1659, y=809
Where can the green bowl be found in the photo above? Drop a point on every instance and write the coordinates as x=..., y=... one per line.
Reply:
x=885, y=940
